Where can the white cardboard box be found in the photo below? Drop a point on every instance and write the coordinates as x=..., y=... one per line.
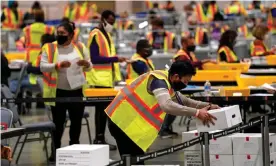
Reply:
x=253, y=160
x=221, y=160
x=83, y=155
x=222, y=145
x=246, y=143
x=192, y=158
x=226, y=117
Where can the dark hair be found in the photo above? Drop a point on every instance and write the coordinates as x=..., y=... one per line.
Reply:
x=141, y=44
x=107, y=13
x=185, y=38
x=158, y=22
x=47, y=38
x=182, y=68
x=227, y=39
x=66, y=19
x=39, y=15
x=155, y=5
x=36, y=5
x=68, y=27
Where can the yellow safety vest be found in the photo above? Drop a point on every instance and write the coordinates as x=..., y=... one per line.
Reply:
x=136, y=112
x=201, y=16
x=230, y=55
x=126, y=26
x=136, y=57
x=199, y=34
x=72, y=14
x=103, y=74
x=244, y=30
x=76, y=35
x=181, y=52
x=149, y=4
x=168, y=40
x=33, y=35
x=10, y=21
x=50, y=78
x=257, y=50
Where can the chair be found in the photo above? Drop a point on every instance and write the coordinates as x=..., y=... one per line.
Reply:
x=35, y=128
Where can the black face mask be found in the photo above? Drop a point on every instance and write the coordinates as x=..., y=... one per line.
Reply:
x=177, y=86
x=191, y=48
x=148, y=52
x=61, y=39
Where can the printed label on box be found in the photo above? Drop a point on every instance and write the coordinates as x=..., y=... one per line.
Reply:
x=192, y=159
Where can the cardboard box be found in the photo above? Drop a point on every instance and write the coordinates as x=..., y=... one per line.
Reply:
x=83, y=155
x=226, y=117
x=221, y=160
x=246, y=143
x=222, y=145
x=254, y=160
x=192, y=158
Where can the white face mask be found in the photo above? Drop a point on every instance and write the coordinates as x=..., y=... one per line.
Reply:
x=250, y=25
x=108, y=27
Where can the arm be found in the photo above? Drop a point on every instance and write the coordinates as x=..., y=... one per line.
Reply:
x=192, y=103
x=3, y=17
x=87, y=58
x=6, y=71
x=139, y=67
x=45, y=66
x=95, y=55
x=33, y=70
x=160, y=90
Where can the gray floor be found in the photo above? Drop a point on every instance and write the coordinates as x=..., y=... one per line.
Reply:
x=33, y=155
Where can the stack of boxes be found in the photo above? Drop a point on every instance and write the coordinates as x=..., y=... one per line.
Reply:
x=241, y=149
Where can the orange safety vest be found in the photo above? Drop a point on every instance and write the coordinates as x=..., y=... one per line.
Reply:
x=72, y=14
x=84, y=12
x=201, y=16
x=149, y=4
x=230, y=55
x=168, y=40
x=213, y=9
x=124, y=26
x=181, y=52
x=199, y=34
x=244, y=30
x=257, y=50
x=136, y=57
x=185, y=34
x=10, y=21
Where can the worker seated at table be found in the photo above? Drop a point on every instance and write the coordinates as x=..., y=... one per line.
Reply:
x=169, y=6
x=199, y=33
x=235, y=8
x=137, y=113
x=71, y=10
x=141, y=63
x=12, y=16
x=160, y=38
x=93, y=12
x=258, y=47
x=124, y=23
x=256, y=5
x=76, y=29
x=226, y=47
x=187, y=53
x=205, y=12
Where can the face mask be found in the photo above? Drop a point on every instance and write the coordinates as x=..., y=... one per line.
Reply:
x=250, y=25
x=62, y=39
x=191, y=48
x=108, y=27
x=177, y=86
x=148, y=52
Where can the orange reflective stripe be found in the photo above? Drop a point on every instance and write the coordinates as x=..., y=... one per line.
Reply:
x=51, y=50
x=28, y=35
x=9, y=17
x=198, y=7
x=38, y=60
x=103, y=48
x=170, y=40
x=50, y=81
x=34, y=46
x=102, y=66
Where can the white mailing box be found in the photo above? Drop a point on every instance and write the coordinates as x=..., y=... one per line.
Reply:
x=222, y=145
x=249, y=143
x=192, y=158
x=253, y=160
x=97, y=155
x=226, y=117
x=221, y=160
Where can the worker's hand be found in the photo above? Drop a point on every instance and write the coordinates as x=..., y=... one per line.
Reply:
x=83, y=63
x=205, y=117
x=214, y=106
x=122, y=59
x=63, y=64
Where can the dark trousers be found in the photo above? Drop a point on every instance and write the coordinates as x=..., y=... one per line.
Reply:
x=75, y=111
x=124, y=143
x=169, y=119
x=100, y=120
